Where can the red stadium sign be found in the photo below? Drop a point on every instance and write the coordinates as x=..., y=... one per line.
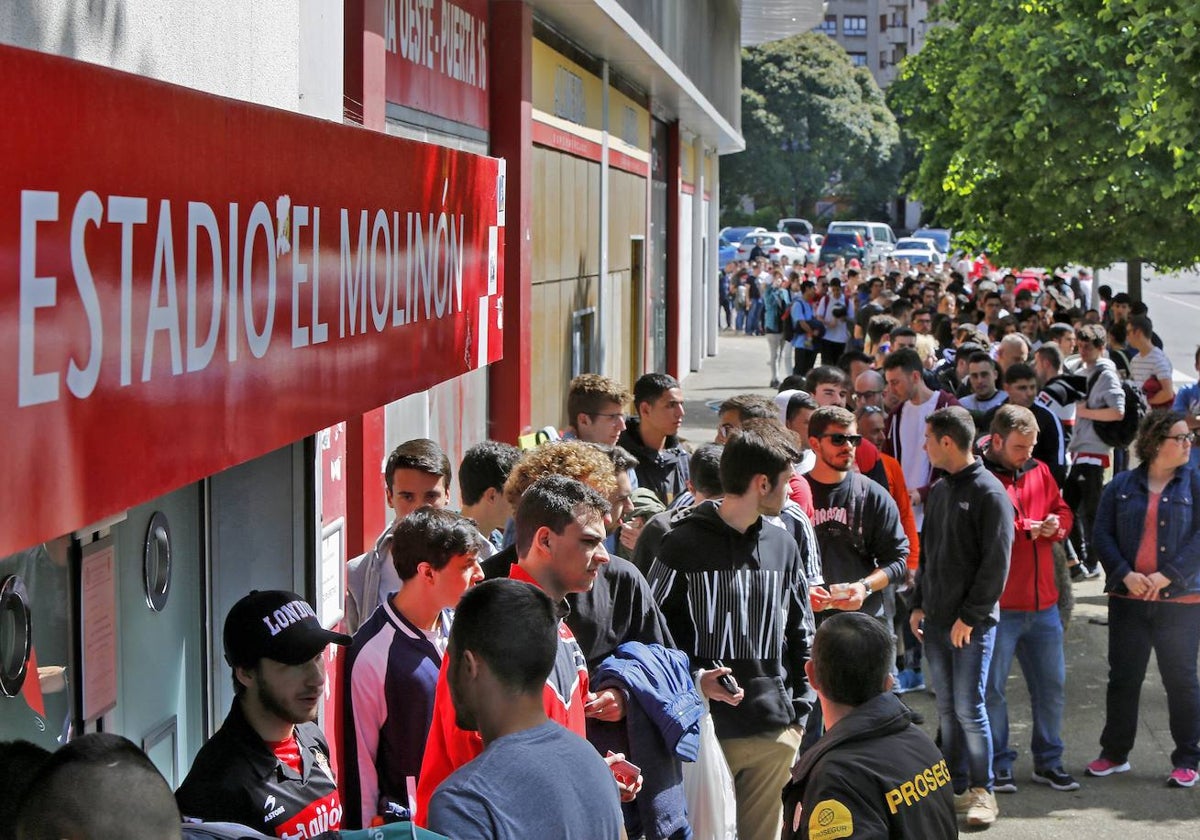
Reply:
x=437, y=57
x=193, y=281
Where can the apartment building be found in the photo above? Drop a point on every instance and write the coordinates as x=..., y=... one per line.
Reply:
x=877, y=34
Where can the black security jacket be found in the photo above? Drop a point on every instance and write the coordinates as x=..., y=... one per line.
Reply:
x=873, y=775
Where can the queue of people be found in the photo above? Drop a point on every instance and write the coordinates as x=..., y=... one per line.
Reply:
x=908, y=513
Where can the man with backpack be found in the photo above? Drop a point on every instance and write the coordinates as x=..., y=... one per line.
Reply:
x=1091, y=453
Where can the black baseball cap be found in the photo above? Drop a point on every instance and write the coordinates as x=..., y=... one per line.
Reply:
x=275, y=624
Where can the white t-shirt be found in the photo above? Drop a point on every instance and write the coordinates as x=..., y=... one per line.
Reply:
x=913, y=459
x=1153, y=365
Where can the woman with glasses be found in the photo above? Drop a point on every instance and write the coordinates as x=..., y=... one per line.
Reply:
x=1147, y=536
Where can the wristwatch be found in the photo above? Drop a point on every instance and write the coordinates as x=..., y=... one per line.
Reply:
x=866, y=585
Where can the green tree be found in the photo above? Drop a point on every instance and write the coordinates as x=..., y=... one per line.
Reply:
x=1030, y=125
x=815, y=127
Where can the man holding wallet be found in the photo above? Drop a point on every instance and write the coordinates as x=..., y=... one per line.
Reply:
x=1029, y=618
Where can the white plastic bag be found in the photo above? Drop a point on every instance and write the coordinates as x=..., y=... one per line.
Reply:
x=708, y=787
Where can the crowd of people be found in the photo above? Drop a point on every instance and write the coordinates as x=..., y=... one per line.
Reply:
x=944, y=455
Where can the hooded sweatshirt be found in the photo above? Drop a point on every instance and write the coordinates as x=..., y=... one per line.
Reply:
x=664, y=471
x=741, y=598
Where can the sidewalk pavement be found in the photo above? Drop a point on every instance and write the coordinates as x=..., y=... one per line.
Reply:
x=1132, y=805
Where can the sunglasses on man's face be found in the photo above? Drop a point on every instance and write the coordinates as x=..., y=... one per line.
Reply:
x=839, y=439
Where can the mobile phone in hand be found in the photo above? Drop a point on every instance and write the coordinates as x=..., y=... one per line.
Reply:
x=726, y=681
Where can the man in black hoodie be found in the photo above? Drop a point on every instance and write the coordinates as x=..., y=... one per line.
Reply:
x=966, y=542
x=733, y=589
x=652, y=437
x=873, y=774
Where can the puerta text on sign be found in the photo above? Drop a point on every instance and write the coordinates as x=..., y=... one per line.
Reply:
x=437, y=57
x=197, y=281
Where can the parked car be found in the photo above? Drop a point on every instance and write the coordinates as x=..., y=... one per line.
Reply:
x=726, y=252
x=878, y=236
x=774, y=246
x=734, y=235
x=917, y=250
x=843, y=243
x=795, y=227
x=811, y=245
x=940, y=236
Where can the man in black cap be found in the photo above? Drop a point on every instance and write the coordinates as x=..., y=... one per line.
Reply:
x=267, y=767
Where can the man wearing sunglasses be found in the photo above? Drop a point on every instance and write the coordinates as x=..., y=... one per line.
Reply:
x=863, y=546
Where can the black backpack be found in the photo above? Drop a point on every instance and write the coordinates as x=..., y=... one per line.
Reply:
x=1120, y=433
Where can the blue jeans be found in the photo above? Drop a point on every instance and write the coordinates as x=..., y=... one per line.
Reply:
x=957, y=675
x=1173, y=632
x=1036, y=639
x=740, y=320
x=754, y=320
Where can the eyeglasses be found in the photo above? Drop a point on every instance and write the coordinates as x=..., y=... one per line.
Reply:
x=870, y=409
x=1184, y=439
x=839, y=439
x=612, y=415
x=860, y=395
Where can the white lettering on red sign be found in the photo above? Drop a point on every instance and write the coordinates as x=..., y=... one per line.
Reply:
x=440, y=36
x=408, y=267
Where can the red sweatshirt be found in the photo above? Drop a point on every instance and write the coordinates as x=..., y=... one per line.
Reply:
x=449, y=747
x=1035, y=495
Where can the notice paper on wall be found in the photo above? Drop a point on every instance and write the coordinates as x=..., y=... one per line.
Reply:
x=98, y=601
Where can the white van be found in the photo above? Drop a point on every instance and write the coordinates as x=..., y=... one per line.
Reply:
x=880, y=238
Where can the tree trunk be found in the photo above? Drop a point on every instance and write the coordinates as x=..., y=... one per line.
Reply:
x=1134, y=279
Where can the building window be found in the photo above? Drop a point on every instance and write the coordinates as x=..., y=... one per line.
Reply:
x=858, y=59
x=883, y=60
x=854, y=25
x=568, y=96
x=629, y=126
x=828, y=26
x=583, y=341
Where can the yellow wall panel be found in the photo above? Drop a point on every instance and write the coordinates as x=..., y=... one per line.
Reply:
x=546, y=73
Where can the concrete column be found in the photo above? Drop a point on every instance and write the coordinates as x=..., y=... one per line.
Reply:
x=603, y=314
x=699, y=278
x=674, y=237
x=713, y=323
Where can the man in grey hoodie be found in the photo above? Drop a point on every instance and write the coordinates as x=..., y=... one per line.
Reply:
x=1091, y=456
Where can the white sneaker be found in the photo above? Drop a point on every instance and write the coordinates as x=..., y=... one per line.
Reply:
x=983, y=809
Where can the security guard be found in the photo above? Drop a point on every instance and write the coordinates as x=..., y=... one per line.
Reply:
x=872, y=774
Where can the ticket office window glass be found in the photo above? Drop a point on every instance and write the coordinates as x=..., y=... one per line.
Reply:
x=36, y=690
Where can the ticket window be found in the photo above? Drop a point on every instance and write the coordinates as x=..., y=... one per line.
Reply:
x=36, y=688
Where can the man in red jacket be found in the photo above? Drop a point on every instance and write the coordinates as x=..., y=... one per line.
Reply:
x=1029, y=626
